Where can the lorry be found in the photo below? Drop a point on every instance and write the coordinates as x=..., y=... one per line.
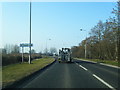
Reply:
x=65, y=55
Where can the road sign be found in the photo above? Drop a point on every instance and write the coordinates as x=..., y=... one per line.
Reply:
x=25, y=45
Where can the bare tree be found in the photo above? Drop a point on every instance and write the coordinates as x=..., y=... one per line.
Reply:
x=4, y=51
x=116, y=11
x=33, y=51
x=104, y=39
x=53, y=50
x=15, y=49
x=7, y=47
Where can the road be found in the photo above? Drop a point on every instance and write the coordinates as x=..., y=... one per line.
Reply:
x=79, y=74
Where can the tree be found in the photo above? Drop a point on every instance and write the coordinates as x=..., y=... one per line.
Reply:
x=7, y=47
x=15, y=49
x=104, y=40
x=4, y=51
x=46, y=51
x=53, y=50
x=33, y=51
x=116, y=11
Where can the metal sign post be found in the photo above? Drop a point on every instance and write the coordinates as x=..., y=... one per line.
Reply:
x=22, y=54
x=25, y=45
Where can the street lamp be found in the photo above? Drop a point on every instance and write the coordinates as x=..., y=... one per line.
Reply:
x=85, y=44
x=46, y=46
x=30, y=37
x=118, y=31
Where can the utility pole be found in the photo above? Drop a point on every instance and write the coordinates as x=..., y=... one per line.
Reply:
x=86, y=49
x=30, y=37
x=118, y=34
x=85, y=44
x=46, y=47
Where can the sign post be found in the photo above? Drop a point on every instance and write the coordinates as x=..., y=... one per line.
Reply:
x=24, y=45
x=22, y=53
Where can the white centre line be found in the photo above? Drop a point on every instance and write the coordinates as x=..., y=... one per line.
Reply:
x=104, y=82
x=82, y=67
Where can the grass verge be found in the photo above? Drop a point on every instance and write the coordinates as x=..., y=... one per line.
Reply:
x=110, y=62
x=14, y=72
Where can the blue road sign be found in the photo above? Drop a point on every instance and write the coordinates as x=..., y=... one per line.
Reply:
x=25, y=45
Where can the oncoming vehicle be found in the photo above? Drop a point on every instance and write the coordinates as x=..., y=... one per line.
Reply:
x=65, y=55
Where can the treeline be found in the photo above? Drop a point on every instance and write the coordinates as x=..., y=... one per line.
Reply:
x=11, y=55
x=17, y=58
x=104, y=40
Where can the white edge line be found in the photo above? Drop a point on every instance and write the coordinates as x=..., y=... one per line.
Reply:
x=104, y=82
x=101, y=64
x=88, y=61
x=110, y=65
x=83, y=67
x=76, y=63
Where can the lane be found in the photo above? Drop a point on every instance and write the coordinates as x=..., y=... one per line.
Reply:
x=65, y=75
x=109, y=74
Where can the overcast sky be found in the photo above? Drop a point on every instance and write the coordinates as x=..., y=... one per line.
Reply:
x=58, y=21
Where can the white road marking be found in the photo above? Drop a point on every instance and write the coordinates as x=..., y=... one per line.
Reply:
x=76, y=63
x=82, y=67
x=104, y=82
x=88, y=61
x=108, y=85
x=110, y=65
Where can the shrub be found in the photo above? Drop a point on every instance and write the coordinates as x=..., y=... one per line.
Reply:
x=8, y=59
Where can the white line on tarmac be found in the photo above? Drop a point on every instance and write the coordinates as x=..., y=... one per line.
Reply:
x=104, y=82
x=82, y=67
x=88, y=61
x=110, y=65
x=76, y=63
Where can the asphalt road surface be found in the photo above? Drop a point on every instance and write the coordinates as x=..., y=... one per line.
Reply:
x=79, y=74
